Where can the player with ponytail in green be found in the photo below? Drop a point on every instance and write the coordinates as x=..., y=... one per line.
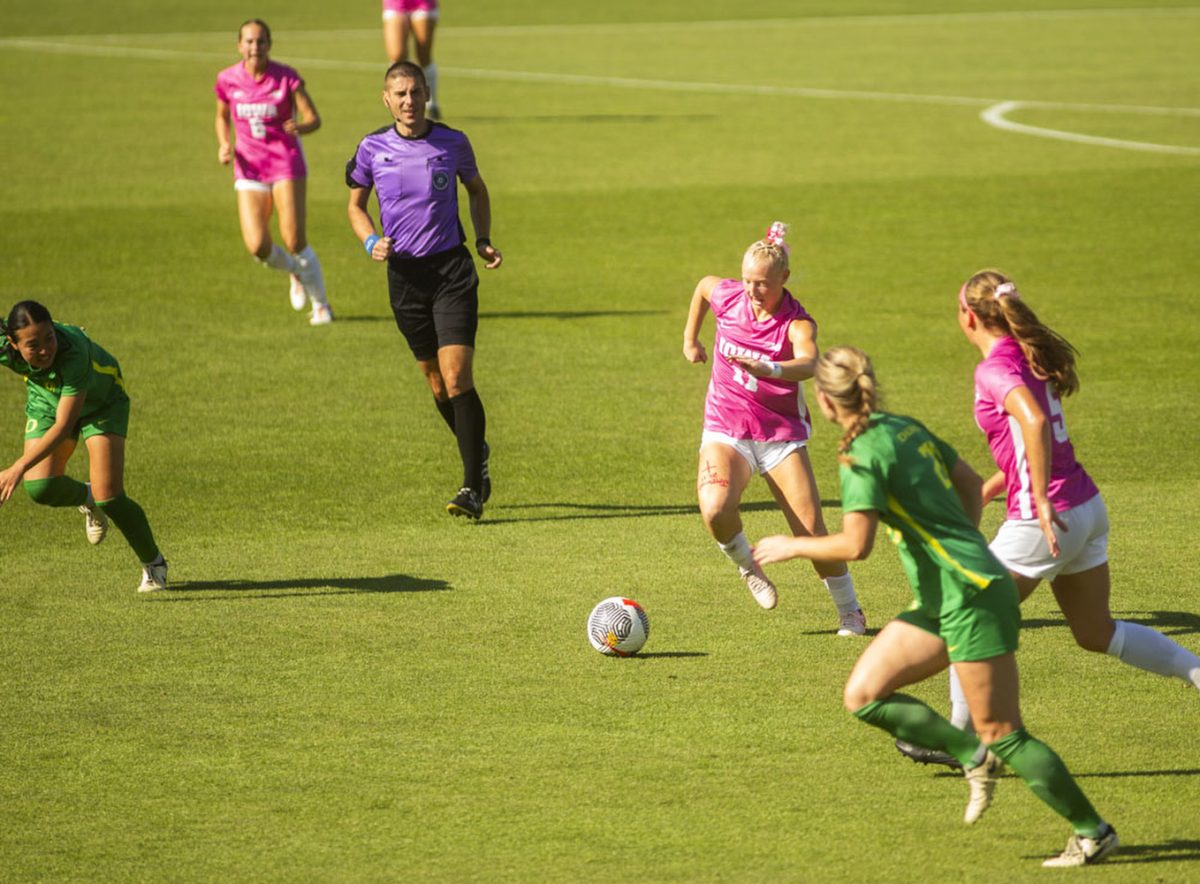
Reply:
x=965, y=615
x=74, y=388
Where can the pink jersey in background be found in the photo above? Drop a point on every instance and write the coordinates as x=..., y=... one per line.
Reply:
x=262, y=150
x=999, y=374
x=739, y=404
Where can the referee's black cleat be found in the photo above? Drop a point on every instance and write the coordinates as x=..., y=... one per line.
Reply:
x=485, y=485
x=465, y=503
x=921, y=755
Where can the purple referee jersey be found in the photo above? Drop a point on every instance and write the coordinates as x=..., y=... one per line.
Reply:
x=414, y=181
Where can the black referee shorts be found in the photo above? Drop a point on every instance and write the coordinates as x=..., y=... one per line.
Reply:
x=435, y=300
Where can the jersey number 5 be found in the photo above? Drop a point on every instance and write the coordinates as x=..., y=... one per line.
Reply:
x=1058, y=423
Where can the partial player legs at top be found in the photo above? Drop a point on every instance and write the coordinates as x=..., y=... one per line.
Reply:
x=795, y=489
x=400, y=22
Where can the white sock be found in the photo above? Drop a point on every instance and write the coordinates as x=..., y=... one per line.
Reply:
x=738, y=550
x=431, y=81
x=308, y=268
x=91, y=500
x=960, y=713
x=841, y=590
x=1147, y=649
x=279, y=259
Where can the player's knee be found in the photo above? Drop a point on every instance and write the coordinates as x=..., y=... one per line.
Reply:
x=1094, y=640
x=858, y=693
x=715, y=507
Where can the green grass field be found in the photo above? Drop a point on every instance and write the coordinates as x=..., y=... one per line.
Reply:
x=346, y=684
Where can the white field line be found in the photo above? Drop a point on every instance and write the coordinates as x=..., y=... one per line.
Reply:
x=743, y=24
x=996, y=116
x=994, y=113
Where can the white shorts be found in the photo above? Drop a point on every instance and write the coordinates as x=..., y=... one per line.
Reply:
x=762, y=456
x=1021, y=547
x=251, y=185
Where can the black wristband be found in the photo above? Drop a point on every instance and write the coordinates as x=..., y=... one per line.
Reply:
x=482, y=241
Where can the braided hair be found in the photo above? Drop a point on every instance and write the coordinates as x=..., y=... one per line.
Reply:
x=845, y=375
x=994, y=298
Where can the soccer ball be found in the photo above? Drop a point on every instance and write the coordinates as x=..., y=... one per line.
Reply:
x=618, y=627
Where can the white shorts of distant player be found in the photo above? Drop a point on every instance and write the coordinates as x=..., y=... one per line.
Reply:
x=762, y=456
x=410, y=8
x=1021, y=547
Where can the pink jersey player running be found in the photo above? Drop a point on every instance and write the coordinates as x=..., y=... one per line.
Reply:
x=418, y=18
x=267, y=107
x=1056, y=525
x=755, y=419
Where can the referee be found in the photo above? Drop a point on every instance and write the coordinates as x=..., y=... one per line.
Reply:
x=432, y=284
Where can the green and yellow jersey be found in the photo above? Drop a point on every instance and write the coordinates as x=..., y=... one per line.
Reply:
x=80, y=366
x=902, y=471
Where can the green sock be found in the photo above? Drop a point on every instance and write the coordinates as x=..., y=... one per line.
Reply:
x=1044, y=773
x=131, y=519
x=56, y=491
x=907, y=718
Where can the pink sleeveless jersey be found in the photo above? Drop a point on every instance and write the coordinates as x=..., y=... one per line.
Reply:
x=262, y=150
x=999, y=374
x=739, y=404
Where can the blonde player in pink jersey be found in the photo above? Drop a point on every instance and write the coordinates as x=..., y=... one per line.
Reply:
x=266, y=105
x=417, y=18
x=1056, y=525
x=755, y=419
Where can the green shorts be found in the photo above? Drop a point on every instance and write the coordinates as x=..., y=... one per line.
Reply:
x=986, y=627
x=111, y=420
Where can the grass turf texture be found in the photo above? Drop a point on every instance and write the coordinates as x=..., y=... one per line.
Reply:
x=344, y=683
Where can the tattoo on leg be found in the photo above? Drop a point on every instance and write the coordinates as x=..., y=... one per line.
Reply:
x=710, y=476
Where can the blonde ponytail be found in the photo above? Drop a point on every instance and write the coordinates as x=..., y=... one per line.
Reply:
x=845, y=375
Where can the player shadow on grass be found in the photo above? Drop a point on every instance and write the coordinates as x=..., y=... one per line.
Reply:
x=262, y=589
x=516, y=314
x=1173, y=850
x=1166, y=622
x=617, y=511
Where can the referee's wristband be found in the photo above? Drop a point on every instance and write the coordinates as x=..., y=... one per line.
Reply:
x=369, y=242
x=482, y=241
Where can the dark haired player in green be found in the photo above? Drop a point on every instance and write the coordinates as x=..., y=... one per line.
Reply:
x=896, y=472
x=74, y=388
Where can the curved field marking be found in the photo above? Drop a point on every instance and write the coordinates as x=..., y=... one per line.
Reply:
x=996, y=116
x=994, y=112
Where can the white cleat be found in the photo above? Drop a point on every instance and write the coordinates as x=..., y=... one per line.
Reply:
x=1083, y=851
x=321, y=315
x=154, y=577
x=852, y=623
x=97, y=523
x=761, y=588
x=982, y=781
x=297, y=294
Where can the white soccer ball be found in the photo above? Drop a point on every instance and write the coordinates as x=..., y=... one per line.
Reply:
x=618, y=627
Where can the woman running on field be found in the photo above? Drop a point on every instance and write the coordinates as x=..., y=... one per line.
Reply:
x=418, y=18
x=1057, y=525
x=74, y=388
x=755, y=420
x=893, y=470
x=270, y=109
